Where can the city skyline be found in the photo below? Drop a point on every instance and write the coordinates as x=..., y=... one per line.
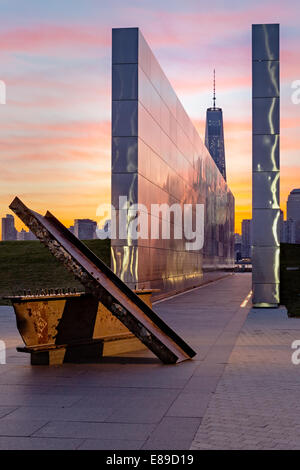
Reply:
x=55, y=127
x=84, y=229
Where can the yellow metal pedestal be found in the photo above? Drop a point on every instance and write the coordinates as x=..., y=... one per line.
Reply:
x=72, y=328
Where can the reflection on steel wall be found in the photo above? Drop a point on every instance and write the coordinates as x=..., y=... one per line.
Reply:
x=265, y=149
x=158, y=157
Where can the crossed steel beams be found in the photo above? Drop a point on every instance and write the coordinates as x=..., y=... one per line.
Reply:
x=103, y=284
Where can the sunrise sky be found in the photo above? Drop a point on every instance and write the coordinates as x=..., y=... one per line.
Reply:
x=56, y=63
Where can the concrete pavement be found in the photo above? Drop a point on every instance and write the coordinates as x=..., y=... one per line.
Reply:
x=128, y=402
x=256, y=404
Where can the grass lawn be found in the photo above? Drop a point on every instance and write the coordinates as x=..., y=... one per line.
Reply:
x=29, y=265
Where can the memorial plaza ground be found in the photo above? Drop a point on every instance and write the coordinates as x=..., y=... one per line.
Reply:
x=241, y=391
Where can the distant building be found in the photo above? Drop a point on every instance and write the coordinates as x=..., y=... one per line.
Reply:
x=293, y=205
x=25, y=236
x=288, y=232
x=246, y=238
x=21, y=236
x=9, y=231
x=293, y=215
x=237, y=247
x=85, y=229
x=71, y=228
x=281, y=228
x=214, y=135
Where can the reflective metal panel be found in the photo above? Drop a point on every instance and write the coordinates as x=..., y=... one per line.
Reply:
x=266, y=260
x=124, y=154
x=265, y=42
x=266, y=227
x=124, y=118
x=125, y=46
x=124, y=262
x=266, y=115
x=124, y=184
x=266, y=194
x=265, y=295
x=265, y=159
x=265, y=79
x=265, y=152
x=124, y=81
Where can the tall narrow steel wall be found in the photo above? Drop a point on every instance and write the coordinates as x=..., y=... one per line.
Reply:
x=265, y=161
x=159, y=158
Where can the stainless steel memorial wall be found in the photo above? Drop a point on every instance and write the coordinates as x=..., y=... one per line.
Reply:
x=159, y=158
x=265, y=164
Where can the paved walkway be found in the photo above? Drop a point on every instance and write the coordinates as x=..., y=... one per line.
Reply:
x=133, y=402
x=257, y=401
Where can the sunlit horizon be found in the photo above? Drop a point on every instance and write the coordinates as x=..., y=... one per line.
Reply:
x=56, y=63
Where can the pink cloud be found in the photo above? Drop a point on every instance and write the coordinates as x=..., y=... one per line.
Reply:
x=196, y=83
x=97, y=129
x=171, y=27
x=58, y=142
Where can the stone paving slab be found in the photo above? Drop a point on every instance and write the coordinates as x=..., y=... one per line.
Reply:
x=256, y=404
x=110, y=444
x=173, y=431
x=20, y=427
x=48, y=413
x=27, y=399
x=190, y=404
x=6, y=410
x=131, y=401
x=80, y=429
x=167, y=444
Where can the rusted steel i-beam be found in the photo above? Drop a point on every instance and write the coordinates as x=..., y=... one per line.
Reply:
x=103, y=284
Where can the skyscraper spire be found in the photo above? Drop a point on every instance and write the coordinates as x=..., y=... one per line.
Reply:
x=214, y=133
x=214, y=95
